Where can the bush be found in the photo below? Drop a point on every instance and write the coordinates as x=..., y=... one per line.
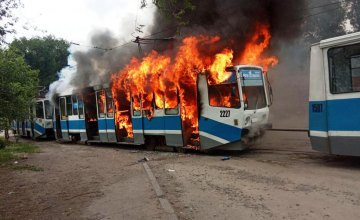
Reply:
x=3, y=143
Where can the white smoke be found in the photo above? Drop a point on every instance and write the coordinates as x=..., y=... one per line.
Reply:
x=63, y=84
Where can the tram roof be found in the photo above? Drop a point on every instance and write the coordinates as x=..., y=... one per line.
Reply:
x=341, y=40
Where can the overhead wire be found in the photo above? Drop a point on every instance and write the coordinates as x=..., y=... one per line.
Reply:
x=305, y=16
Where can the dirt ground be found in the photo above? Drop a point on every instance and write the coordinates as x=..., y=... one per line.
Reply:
x=279, y=178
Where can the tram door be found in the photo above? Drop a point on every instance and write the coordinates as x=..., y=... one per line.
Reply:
x=57, y=125
x=172, y=126
x=89, y=99
x=101, y=115
x=110, y=122
x=137, y=122
x=64, y=118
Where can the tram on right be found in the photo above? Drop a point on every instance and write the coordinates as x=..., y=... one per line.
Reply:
x=334, y=102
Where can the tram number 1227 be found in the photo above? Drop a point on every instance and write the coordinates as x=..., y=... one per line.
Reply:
x=224, y=113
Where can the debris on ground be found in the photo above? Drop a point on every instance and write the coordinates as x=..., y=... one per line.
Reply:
x=143, y=160
x=226, y=158
x=16, y=162
x=170, y=170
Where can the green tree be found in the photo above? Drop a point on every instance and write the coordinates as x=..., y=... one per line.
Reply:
x=18, y=85
x=7, y=18
x=354, y=14
x=180, y=11
x=48, y=55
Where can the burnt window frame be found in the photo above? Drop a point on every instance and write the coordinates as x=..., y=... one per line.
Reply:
x=332, y=80
x=166, y=110
x=154, y=100
x=97, y=105
x=138, y=112
x=109, y=98
x=63, y=112
x=238, y=88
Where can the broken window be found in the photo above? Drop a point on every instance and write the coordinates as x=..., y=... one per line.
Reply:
x=225, y=94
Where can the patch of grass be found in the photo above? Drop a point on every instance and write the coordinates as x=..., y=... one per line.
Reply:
x=22, y=148
x=11, y=151
x=6, y=157
x=27, y=167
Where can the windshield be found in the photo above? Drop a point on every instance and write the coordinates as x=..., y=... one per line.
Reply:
x=253, y=88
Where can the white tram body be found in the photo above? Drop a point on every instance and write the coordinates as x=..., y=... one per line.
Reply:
x=334, y=102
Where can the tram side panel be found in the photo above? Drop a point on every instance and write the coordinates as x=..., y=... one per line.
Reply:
x=318, y=125
x=164, y=123
x=217, y=125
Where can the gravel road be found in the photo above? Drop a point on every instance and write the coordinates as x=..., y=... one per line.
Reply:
x=279, y=178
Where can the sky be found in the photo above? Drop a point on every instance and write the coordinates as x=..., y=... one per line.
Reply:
x=76, y=20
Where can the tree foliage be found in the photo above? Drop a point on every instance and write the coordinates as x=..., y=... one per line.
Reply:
x=180, y=10
x=48, y=55
x=354, y=14
x=7, y=20
x=18, y=84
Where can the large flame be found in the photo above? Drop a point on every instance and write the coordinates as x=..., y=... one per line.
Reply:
x=256, y=46
x=162, y=79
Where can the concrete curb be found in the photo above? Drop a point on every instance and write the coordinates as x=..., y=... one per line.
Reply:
x=165, y=204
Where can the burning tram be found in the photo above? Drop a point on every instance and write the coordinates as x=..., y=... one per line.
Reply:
x=227, y=115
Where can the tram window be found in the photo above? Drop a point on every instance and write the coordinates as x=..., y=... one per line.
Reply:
x=159, y=101
x=68, y=105
x=48, y=109
x=344, y=69
x=39, y=110
x=101, y=103
x=63, y=108
x=172, y=111
x=172, y=105
x=253, y=89
x=225, y=94
x=74, y=105
x=109, y=104
x=355, y=72
x=81, y=108
x=136, y=106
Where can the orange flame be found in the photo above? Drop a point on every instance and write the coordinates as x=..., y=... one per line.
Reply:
x=164, y=81
x=256, y=46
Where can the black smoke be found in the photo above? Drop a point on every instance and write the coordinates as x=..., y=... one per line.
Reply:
x=235, y=20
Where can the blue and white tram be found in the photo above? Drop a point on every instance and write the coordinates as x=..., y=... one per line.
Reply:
x=69, y=118
x=39, y=123
x=89, y=114
x=334, y=103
